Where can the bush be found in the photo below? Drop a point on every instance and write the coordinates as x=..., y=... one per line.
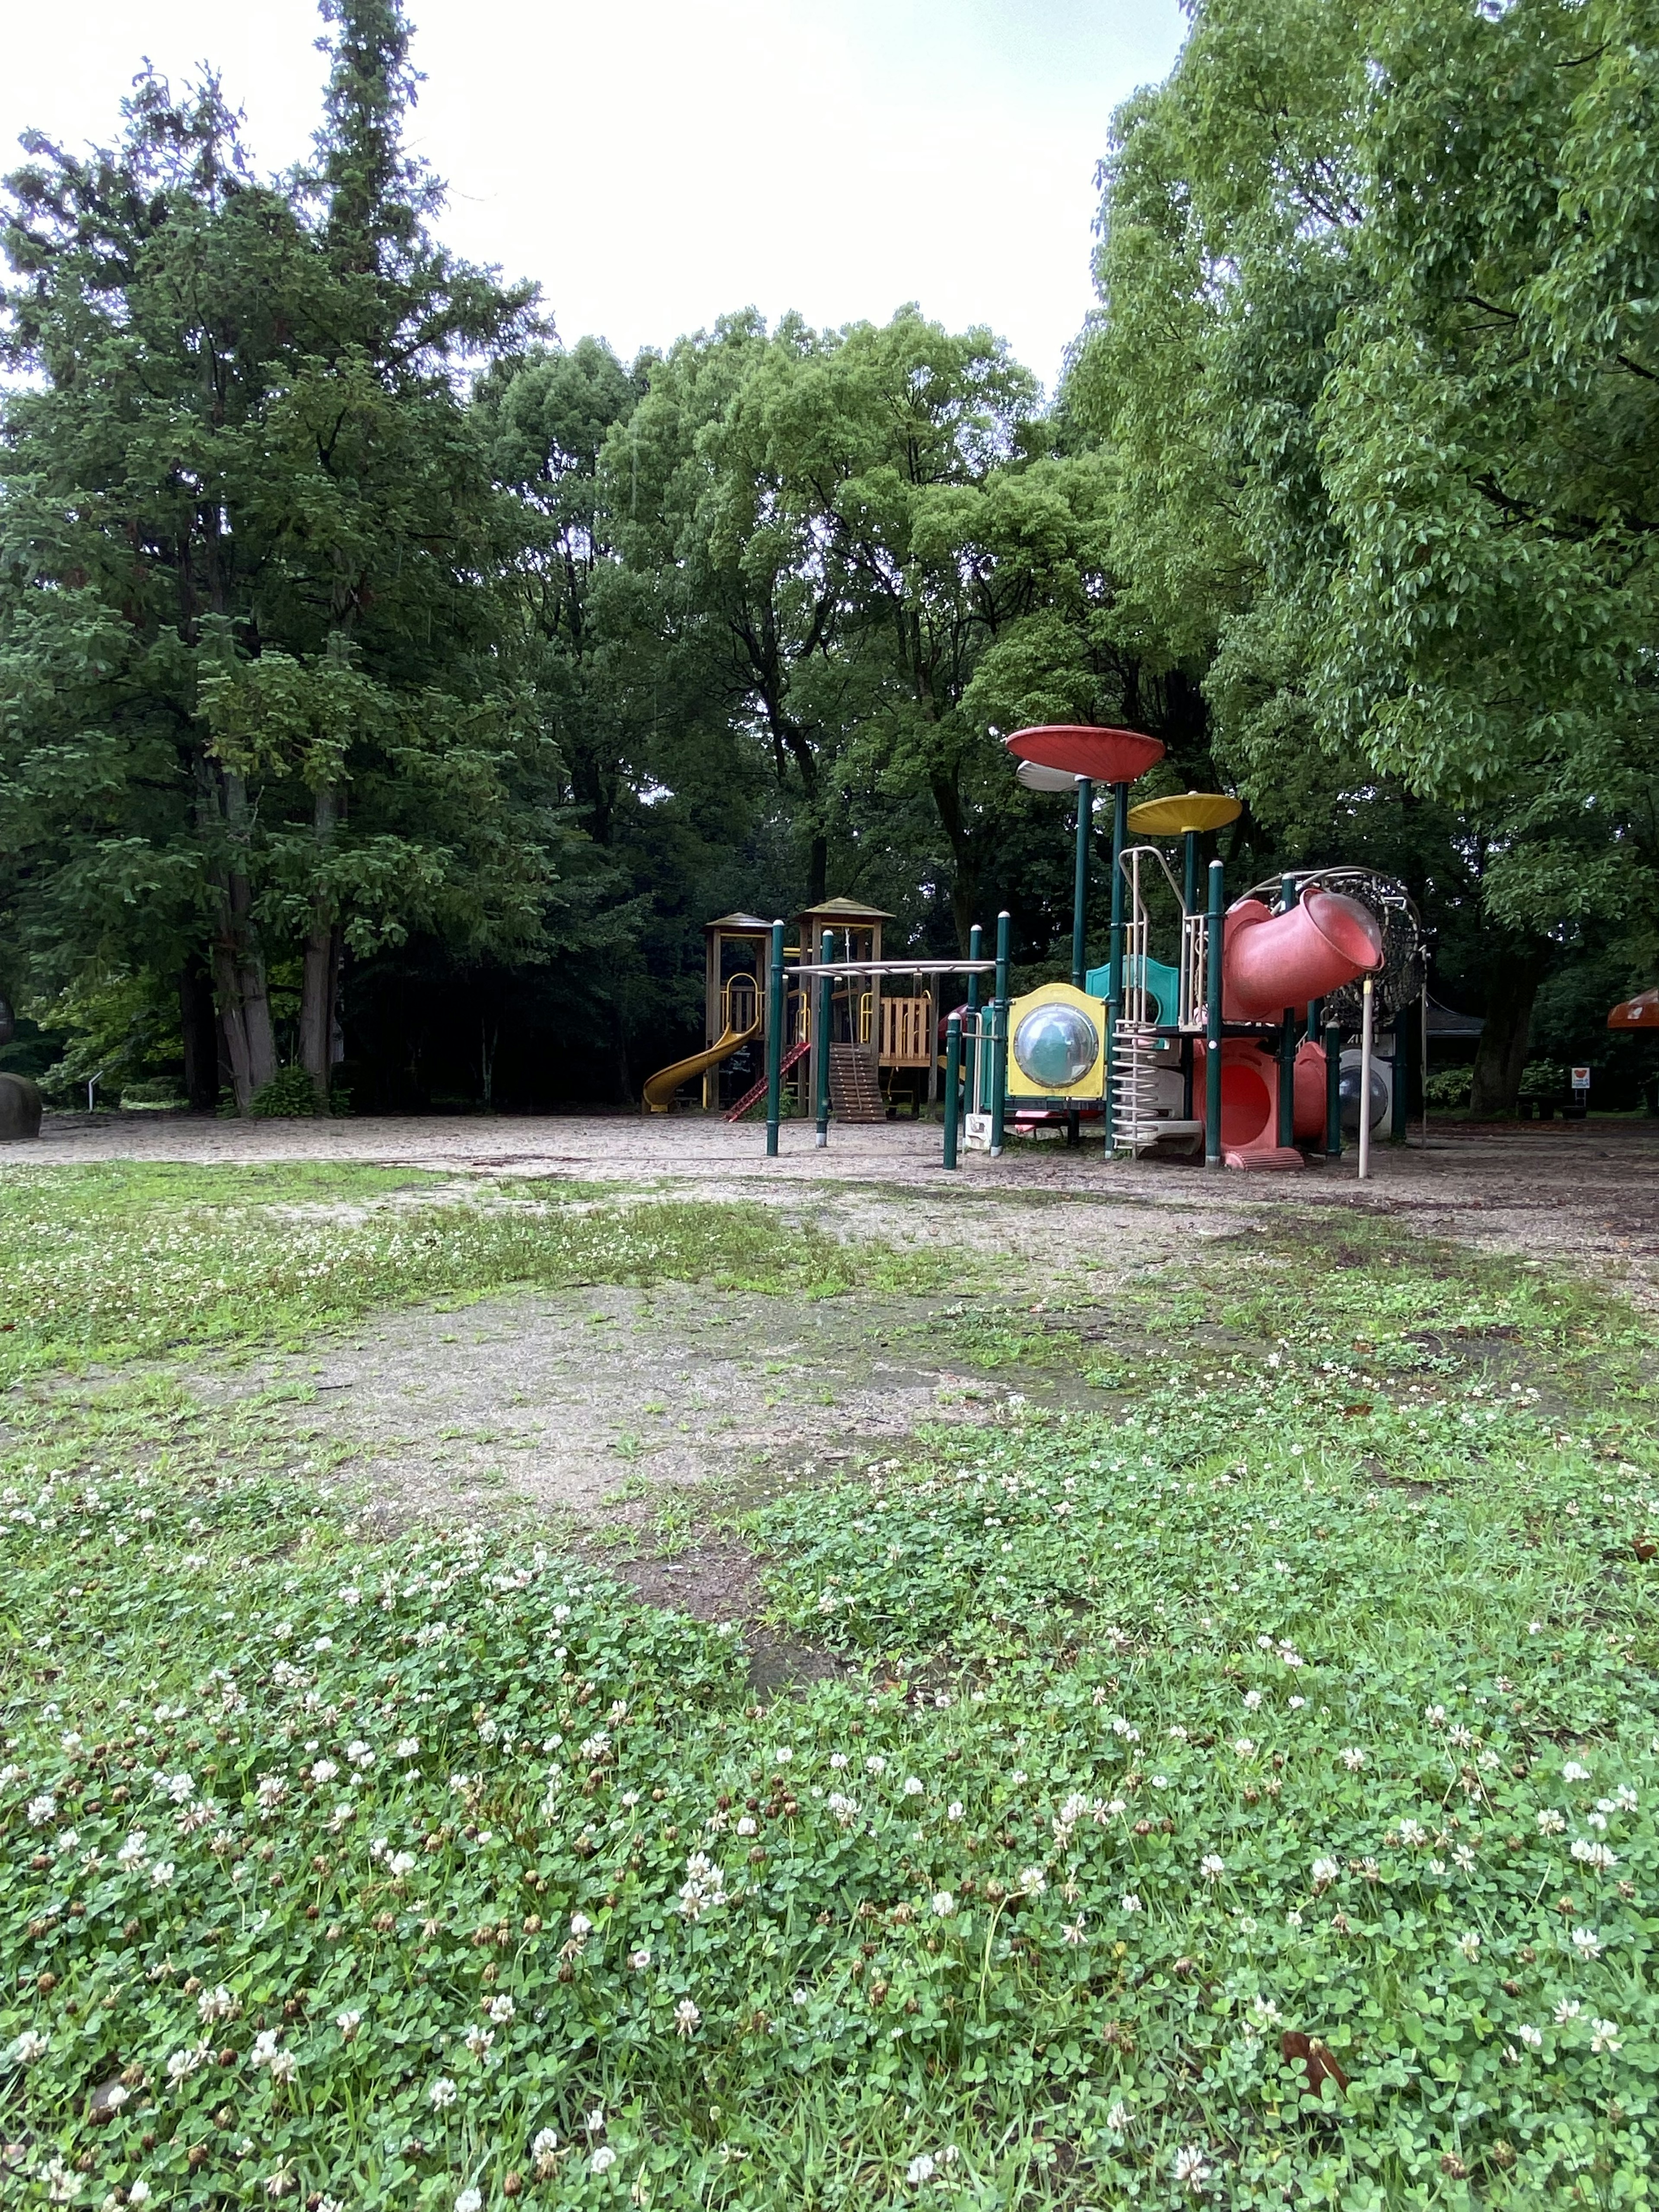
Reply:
x=154, y=1092
x=1449, y=1086
x=1544, y=1078
x=289, y=1094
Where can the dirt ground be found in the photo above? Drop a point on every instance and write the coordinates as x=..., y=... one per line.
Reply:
x=611, y=1409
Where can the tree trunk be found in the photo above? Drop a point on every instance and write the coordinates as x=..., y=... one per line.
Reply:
x=321, y=982
x=201, y=1034
x=817, y=869
x=239, y=974
x=1501, y=1055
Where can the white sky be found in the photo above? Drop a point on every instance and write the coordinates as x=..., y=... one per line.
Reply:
x=655, y=164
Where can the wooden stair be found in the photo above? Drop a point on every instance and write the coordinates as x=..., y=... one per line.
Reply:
x=854, y=1092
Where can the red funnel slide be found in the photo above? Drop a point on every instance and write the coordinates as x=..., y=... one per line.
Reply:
x=1272, y=961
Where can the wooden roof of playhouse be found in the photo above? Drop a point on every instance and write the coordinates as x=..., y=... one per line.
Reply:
x=844, y=913
x=740, y=925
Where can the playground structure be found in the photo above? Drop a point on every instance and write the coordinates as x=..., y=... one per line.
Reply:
x=1254, y=1040
x=865, y=1030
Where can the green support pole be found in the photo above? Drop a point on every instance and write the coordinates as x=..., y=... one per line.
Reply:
x=1114, y=955
x=953, y=1085
x=971, y=1044
x=1404, y=1065
x=1287, y=1041
x=1212, y=1018
x=775, y=1005
x=821, y=1034
x=999, y=1038
x=1333, y=1090
x=1086, y=819
x=1189, y=874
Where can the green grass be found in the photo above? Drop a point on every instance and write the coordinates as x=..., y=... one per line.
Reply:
x=110, y=1263
x=1355, y=1606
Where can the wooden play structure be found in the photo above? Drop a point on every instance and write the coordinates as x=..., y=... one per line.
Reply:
x=873, y=1039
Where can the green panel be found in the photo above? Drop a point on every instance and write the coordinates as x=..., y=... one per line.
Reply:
x=1163, y=981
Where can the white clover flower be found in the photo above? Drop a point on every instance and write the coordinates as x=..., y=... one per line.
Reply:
x=747, y=1827
x=139, y=2191
x=469, y=2200
x=837, y=1761
x=1586, y=1944
x=1569, y=2009
x=686, y=2017
x=1032, y=1882
x=595, y=2123
x=1574, y=1770
x=442, y=2093
x=1353, y=1759
x=1129, y=1902
x=215, y=2004
x=1212, y=1866
x=1119, y=2119
x=844, y=1809
x=1469, y=1945
x=1550, y=1822
x=920, y=2169
x=943, y=1904
x=358, y=1752
x=324, y=1770
x=640, y=1960
x=478, y=2040
x=348, y=2023
x=1325, y=1871
x=954, y=1810
x=1532, y=2037
x=161, y=1874
x=1252, y=1701
x=407, y=1747
x=501, y=2008
x=1192, y=2169
x=1604, y=2035
x=581, y=1926
x=914, y=1785
x=284, y=2066
x=135, y=1849
x=603, y=2160
x=1593, y=1854
x=401, y=1864
x=29, y=2045
x=183, y=2064
x=42, y=1809
x=545, y=2144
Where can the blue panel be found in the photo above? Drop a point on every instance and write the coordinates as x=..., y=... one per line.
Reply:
x=1162, y=980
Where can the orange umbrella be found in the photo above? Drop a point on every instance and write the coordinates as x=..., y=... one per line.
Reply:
x=1641, y=1013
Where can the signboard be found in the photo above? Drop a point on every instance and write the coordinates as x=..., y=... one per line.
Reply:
x=1581, y=1079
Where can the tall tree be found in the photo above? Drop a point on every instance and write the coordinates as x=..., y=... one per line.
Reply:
x=248, y=698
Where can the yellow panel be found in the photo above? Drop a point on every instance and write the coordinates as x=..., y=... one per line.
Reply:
x=1187, y=810
x=1090, y=1085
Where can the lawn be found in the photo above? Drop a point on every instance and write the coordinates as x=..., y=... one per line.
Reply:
x=1242, y=1795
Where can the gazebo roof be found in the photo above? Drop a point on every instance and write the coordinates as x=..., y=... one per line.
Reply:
x=747, y=925
x=842, y=910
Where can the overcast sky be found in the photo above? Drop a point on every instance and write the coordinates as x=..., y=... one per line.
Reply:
x=654, y=164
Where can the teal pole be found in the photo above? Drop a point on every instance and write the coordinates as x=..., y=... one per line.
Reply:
x=999, y=1039
x=1212, y=1018
x=1085, y=821
x=775, y=1004
x=1287, y=1041
x=1333, y=1090
x=970, y=1046
x=953, y=1085
x=1114, y=955
x=821, y=1036
x=1189, y=874
x=1400, y=1099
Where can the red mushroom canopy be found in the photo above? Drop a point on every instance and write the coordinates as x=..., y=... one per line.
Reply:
x=1104, y=756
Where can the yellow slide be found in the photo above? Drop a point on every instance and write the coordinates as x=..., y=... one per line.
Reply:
x=660, y=1088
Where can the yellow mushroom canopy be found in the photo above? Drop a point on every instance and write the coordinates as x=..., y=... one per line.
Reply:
x=1187, y=810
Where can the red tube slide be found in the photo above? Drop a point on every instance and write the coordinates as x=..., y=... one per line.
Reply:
x=1272, y=961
